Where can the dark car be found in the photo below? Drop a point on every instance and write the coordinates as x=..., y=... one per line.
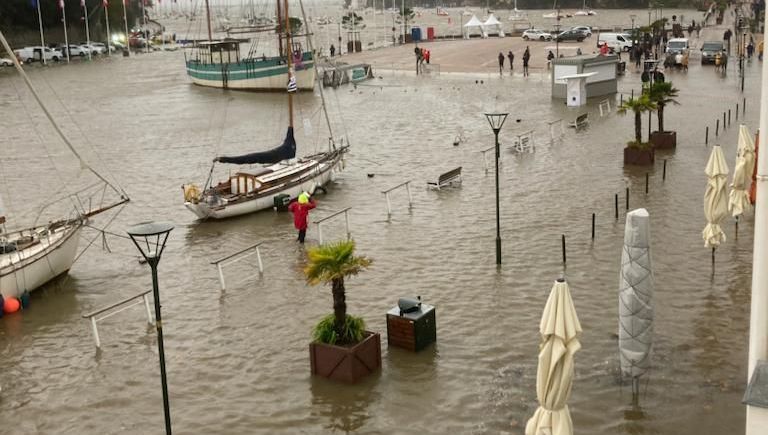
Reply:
x=709, y=50
x=571, y=35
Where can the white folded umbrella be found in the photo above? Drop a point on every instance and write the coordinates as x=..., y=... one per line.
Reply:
x=715, y=198
x=738, y=200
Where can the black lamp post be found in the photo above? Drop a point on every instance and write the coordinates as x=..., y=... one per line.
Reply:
x=150, y=238
x=497, y=120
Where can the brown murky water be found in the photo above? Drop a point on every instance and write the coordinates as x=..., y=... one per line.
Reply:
x=237, y=360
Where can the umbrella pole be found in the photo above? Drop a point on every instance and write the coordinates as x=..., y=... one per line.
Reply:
x=713, y=256
x=737, y=227
x=635, y=390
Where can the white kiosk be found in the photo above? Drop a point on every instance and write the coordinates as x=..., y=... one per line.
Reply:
x=576, y=88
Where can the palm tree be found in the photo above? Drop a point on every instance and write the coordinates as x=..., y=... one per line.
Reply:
x=638, y=106
x=662, y=93
x=331, y=263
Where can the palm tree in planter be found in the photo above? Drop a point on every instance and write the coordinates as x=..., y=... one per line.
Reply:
x=662, y=94
x=342, y=348
x=638, y=152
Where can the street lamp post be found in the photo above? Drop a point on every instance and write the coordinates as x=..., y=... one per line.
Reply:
x=496, y=120
x=150, y=238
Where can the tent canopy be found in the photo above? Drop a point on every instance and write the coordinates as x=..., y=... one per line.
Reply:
x=492, y=21
x=473, y=22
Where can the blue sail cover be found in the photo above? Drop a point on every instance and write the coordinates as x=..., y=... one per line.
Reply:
x=284, y=152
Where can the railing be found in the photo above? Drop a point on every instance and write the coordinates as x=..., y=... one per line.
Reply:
x=556, y=130
x=486, y=164
x=386, y=193
x=237, y=256
x=524, y=142
x=136, y=299
x=321, y=221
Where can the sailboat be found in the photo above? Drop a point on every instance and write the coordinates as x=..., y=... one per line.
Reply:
x=517, y=15
x=282, y=177
x=219, y=64
x=583, y=12
x=34, y=255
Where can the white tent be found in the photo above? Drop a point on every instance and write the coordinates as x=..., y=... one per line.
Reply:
x=492, y=25
x=471, y=24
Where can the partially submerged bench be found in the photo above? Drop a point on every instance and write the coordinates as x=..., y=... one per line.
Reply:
x=581, y=121
x=450, y=178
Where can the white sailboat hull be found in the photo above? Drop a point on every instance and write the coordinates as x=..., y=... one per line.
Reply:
x=308, y=184
x=30, y=268
x=305, y=80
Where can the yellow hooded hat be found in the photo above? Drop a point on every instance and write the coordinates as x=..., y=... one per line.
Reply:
x=303, y=198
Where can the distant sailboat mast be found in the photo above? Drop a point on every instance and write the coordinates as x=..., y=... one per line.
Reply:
x=289, y=56
x=208, y=18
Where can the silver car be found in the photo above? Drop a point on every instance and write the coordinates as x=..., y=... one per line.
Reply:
x=535, y=34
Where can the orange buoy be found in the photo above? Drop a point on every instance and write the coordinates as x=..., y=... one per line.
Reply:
x=11, y=305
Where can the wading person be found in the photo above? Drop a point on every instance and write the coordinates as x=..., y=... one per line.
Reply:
x=333, y=50
x=501, y=63
x=511, y=57
x=526, y=59
x=300, y=209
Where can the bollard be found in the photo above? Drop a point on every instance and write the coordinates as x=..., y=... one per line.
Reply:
x=664, y=172
x=737, y=111
x=616, y=205
x=744, y=107
x=706, y=136
x=621, y=98
x=717, y=128
x=627, y=198
x=723, y=121
x=593, y=226
x=633, y=93
x=646, y=183
x=563, y=248
x=729, y=117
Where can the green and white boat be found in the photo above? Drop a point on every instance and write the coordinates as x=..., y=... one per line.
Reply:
x=219, y=64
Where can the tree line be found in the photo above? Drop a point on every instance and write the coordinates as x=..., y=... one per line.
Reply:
x=22, y=14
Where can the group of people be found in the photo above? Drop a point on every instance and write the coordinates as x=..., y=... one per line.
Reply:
x=422, y=55
x=511, y=57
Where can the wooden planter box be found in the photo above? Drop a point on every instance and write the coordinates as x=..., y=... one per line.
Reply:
x=640, y=157
x=664, y=140
x=412, y=331
x=346, y=363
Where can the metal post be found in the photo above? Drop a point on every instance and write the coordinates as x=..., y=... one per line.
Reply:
x=664, y=172
x=150, y=320
x=563, y=242
x=627, y=190
x=95, y=331
x=646, y=183
x=593, y=226
x=221, y=277
x=410, y=198
x=723, y=121
x=706, y=136
x=616, y=205
x=498, y=215
x=737, y=111
x=729, y=117
x=389, y=206
x=717, y=128
x=346, y=222
x=258, y=258
x=160, y=348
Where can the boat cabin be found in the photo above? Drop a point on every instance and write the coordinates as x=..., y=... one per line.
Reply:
x=217, y=52
x=243, y=183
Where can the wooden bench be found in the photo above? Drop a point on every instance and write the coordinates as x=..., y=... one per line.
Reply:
x=450, y=178
x=581, y=121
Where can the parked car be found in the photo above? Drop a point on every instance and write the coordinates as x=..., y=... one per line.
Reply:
x=103, y=47
x=571, y=35
x=586, y=29
x=709, y=50
x=31, y=54
x=94, y=47
x=536, y=34
x=74, y=50
x=616, y=41
x=5, y=62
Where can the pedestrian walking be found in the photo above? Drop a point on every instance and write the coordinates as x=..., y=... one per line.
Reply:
x=300, y=209
x=417, y=52
x=526, y=59
x=750, y=49
x=333, y=50
x=427, y=55
x=511, y=57
x=501, y=63
x=550, y=56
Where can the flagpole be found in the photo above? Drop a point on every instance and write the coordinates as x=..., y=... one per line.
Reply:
x=42, y=38
x=106, y=17
x=87, y=30
x=127, y=35
x=64, y=18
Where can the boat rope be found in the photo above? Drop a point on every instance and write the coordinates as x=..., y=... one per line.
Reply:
x=48, y=115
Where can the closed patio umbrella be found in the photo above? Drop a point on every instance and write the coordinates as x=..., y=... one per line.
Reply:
x=559, y=330
x=738, y=200
x=715, y=199
x=636, y=298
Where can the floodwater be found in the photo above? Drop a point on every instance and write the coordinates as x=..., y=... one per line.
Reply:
x=238, y=359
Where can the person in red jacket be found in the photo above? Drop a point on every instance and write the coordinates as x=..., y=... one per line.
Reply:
x=300, y=209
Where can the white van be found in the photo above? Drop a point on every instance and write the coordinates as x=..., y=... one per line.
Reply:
x=616, y=41
x=677, y=46
x=31, y=54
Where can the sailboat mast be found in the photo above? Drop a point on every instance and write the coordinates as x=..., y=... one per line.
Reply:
x=289, y=55
x=279, y=33
x=208, y=18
